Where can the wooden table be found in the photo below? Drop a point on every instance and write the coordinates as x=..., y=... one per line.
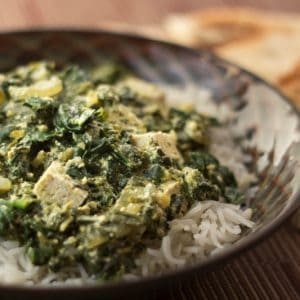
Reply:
x=271, y=270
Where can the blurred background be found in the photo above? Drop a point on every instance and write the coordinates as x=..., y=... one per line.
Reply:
x=17, y=13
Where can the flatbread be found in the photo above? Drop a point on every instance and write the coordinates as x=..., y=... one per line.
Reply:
x=267, y=44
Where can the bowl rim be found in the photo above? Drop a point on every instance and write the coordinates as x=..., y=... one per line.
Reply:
x=247, y=243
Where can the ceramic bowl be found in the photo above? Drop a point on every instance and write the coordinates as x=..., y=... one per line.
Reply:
x=269, y=119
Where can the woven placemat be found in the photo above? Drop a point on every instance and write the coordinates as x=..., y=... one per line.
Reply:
x=269, y=271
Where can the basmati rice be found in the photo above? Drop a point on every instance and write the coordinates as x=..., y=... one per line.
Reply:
x=208, y=226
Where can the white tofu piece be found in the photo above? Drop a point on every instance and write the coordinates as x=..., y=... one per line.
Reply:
x=165, y=141
x=56, y=187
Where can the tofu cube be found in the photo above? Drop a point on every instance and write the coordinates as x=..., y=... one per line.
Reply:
x=56, y=187
x=165, y=141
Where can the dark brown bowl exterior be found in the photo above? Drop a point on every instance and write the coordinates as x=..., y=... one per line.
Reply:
x=257, y=107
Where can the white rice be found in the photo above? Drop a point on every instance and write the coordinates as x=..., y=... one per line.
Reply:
x=15, y=268
x=208, y=227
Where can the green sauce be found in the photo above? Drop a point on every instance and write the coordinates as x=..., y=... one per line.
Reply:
x=93, y=165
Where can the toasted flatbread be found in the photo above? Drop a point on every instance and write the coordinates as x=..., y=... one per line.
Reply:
x=217, y=27
x=290, y=84
x=267, y=44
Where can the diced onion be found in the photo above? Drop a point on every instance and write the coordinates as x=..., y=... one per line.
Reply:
x=43, y=88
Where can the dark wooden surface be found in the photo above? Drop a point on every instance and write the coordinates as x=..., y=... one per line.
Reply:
x=272, y=269
x=269, y=271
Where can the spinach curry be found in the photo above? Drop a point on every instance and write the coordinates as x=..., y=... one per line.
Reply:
x=93, y=165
